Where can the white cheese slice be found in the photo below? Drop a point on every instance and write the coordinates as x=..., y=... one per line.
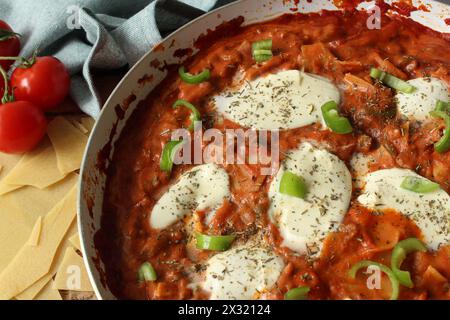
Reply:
x=430, y=211
x=304, y=223
x=242, y=272
x=203, y=187
x=285, y=100
x=417, y=105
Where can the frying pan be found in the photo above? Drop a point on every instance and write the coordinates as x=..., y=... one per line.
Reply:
x=132, y=89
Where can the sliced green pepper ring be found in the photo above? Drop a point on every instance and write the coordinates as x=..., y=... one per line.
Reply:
x=399, y=253
x=195, y=114
x=391, y=81
x=333, y=120
x=262, y=50
x=194, y=78
x=147, y=273
x=300, y=293
x=444, y=143
x=293, y=185
x=265, y=44
x=367, y=263
x=262, y=57
x=215, y=243
x=419, y=185
x=168, y=154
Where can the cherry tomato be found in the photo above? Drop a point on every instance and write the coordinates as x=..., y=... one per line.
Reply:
x=46, y=83
x=9, y=47
x=22, y=126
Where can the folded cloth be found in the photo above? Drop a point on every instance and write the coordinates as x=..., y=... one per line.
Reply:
x=87, y=34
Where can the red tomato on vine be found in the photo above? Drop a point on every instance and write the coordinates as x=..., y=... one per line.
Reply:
x=22, y=126
x=44, y=81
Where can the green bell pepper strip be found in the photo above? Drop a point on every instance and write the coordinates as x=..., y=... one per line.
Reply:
x=391, y=81
x=194, y=78
x=419, y=185
x=442, y=106
x=262, y=50
x=367, y=263
x=444, y=143
x=293, y=185
x=215, y=243
x=146, y=273
x=195, y=114
x=399, y=253
x=300, y=293
x=168, y=154
x=333, y=120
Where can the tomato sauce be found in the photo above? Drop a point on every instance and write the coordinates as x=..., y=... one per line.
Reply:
x=336, y=45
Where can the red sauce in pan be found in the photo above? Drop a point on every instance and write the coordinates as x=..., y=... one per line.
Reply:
x=335, y=45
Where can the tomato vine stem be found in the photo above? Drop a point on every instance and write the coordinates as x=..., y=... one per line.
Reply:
x=6, y=96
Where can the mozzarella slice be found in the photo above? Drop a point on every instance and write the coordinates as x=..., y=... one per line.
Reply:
x=242, y=272
x=203, y=187
x=304, y=223
x=417, y=105
x=430, y=211
x=285, y=100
